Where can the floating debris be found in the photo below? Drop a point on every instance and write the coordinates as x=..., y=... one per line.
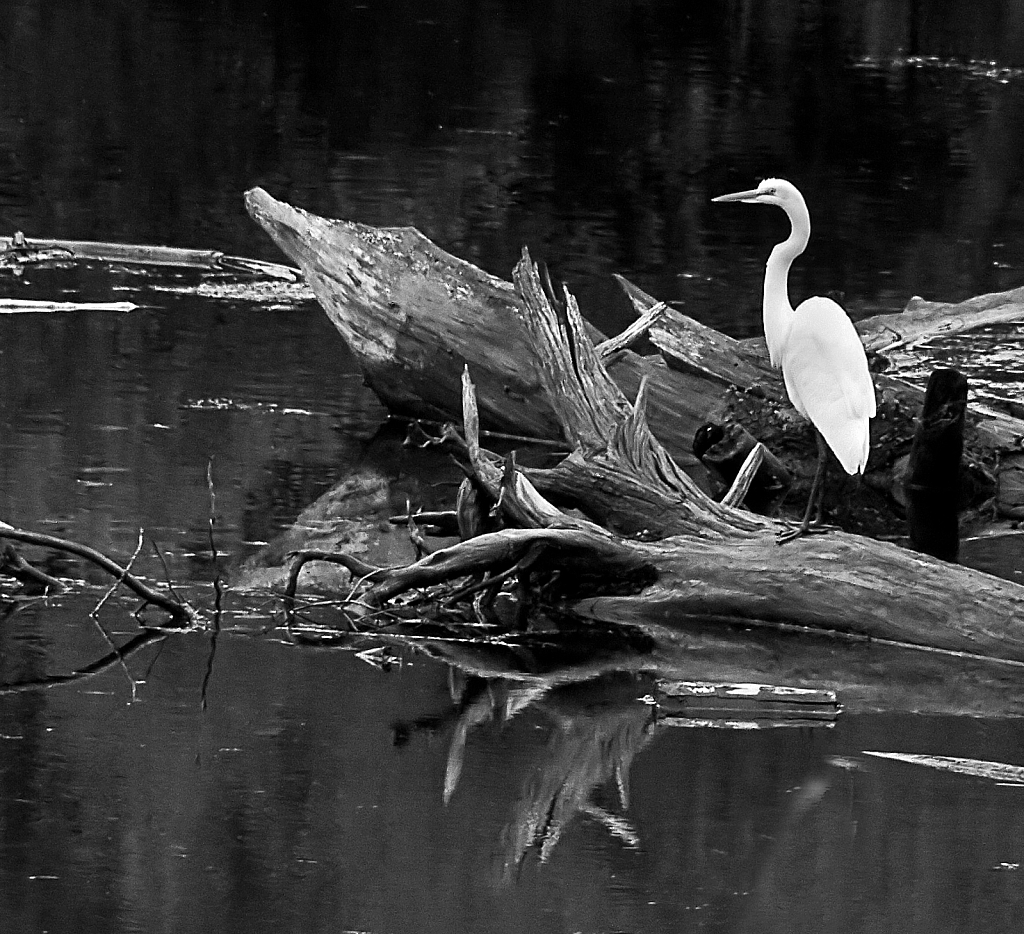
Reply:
x=19, y=306
x=230, y=405
x=743, y=706
x=274, y=293
x=997, y=771
x=18, y=251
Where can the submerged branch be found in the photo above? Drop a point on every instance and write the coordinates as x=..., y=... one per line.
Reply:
x=20, y=249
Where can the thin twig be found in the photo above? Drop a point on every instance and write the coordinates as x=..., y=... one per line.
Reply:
x=117, y=583
x=443, y=517
x=352, y=564
x=218, y=588
x=449, y=434
x=419, y=543
x=208, y=673
x=158, y=551
x=95, y=614
x=489, y=581
x=370, y=614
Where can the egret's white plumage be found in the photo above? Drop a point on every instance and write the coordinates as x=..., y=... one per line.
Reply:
x=822, y=359
x=827, y=379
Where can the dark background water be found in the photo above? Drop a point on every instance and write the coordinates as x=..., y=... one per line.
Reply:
x=304, y=790
x=594, y=134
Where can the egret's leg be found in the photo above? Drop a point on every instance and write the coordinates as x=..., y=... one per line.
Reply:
x=817, y=489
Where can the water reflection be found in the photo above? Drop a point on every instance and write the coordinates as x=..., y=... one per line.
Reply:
x=327, y=793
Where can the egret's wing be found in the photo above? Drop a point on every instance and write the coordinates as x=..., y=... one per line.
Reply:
x=826, y=374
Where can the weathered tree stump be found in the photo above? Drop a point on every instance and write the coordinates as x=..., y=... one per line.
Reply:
x=933, y=471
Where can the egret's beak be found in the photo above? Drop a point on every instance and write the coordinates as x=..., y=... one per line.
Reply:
x=739, y=196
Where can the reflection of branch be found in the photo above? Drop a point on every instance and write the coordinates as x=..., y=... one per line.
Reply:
x=94, y=668
x=95, y=614
x=585, y=752
x=499, y=700
x=478, y=711
x=179, y=611
x=617, y=826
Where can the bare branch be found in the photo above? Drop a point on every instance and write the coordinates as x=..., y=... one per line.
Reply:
x=178, y=611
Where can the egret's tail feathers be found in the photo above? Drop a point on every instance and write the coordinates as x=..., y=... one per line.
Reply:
x=850, y=443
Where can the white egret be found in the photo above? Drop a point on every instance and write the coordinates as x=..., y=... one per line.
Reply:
x=822, y=358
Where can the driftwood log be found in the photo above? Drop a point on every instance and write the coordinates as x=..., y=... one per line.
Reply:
x=18, y=250
x=414, y=315
x=653, y=548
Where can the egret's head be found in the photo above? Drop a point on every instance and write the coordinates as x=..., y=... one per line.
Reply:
x=775, y=191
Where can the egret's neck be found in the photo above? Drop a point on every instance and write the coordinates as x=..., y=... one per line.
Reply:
x=778, y=312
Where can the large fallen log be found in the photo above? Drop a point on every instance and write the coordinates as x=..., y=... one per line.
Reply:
x=723, y=564
x=414, y=315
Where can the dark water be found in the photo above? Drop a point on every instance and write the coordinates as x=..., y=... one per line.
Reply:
x=253, y=785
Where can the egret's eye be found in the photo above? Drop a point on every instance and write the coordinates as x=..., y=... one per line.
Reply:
x=768, y=191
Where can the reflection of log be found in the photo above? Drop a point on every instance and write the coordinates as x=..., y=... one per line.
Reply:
x=414, y=316
x=869, y=677
x=594, y=739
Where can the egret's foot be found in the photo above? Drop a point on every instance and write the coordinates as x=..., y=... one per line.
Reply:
x=799, y=531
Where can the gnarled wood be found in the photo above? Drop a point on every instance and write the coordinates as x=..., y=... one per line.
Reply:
x=743, y=365
x=727, y=566
x=414, y=316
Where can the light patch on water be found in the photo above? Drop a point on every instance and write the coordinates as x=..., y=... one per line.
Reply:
x=992, y=359
x=233, y=405
x=972, y=68
x=275, y=293
x=1000, y=771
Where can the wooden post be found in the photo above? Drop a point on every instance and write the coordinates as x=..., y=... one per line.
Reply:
x=933, y=473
